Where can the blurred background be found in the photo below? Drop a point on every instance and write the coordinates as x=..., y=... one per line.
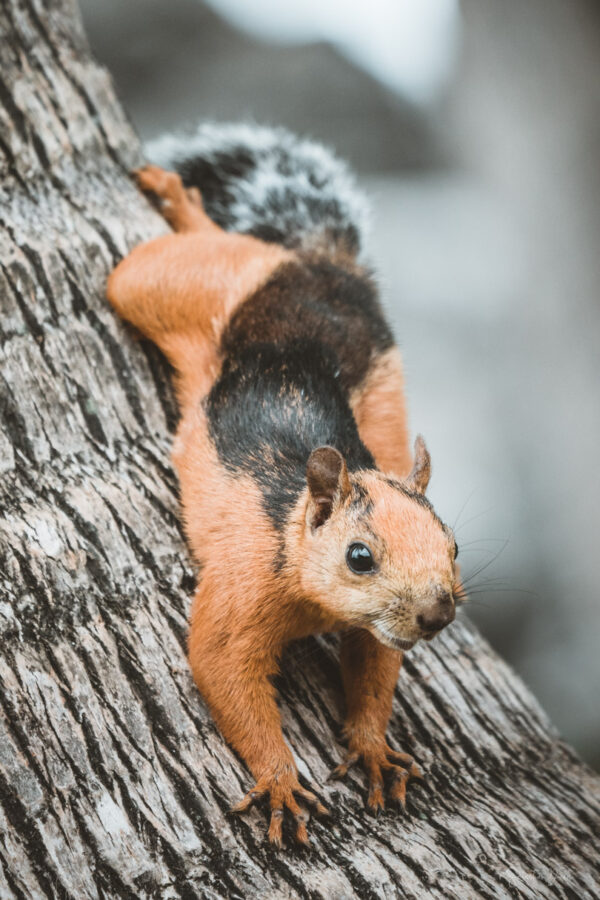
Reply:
x=475, y=129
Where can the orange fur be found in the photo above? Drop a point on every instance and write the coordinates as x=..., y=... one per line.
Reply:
x=180, y=290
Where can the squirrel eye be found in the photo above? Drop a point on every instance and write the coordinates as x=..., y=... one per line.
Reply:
x=360, y=559
x=455, y=549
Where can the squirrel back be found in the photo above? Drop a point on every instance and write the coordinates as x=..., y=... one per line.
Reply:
x=269, y=183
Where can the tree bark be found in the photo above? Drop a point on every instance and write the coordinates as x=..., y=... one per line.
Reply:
x=114, y=781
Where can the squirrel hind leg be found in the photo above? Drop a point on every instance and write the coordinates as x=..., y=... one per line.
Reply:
x=181, y=207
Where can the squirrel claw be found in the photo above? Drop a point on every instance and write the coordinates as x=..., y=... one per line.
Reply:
x=375, y=800
x=400, y=767
x=247, y=801
x=342, y=770
x=281, y=790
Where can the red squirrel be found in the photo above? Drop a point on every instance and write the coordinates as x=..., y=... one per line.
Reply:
x=301, y=498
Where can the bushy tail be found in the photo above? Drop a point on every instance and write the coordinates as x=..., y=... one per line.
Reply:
x=269, y=183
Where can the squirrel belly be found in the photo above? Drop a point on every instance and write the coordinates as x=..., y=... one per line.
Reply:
x=299, y=492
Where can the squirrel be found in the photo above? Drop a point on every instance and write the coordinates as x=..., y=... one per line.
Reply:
x=301, y=498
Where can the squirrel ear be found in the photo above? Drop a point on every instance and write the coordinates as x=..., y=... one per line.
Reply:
x=328, y=481
x=421, y=470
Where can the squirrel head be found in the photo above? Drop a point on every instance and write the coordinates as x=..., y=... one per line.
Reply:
x=372, y=552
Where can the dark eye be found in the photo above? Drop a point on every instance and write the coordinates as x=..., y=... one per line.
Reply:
x=455, y=549
x=360, y=559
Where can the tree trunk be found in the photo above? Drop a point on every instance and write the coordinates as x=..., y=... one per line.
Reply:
x=114, y=781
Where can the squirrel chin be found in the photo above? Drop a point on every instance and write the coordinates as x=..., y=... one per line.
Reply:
x=389, y=640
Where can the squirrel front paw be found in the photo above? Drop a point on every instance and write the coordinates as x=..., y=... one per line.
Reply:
x=281, y=788
x=378, y=759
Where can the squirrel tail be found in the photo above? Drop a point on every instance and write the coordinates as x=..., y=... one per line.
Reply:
x=269, y=183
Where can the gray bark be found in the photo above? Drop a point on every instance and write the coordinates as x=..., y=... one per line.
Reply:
x=114, y=781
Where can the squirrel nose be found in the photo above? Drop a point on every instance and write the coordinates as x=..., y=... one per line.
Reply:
x=439, y=614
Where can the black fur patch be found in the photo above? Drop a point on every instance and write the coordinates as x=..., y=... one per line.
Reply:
x=324, y=305
x=214, y=176
x=361, y=499
x=291, y=354
x=271, y=407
